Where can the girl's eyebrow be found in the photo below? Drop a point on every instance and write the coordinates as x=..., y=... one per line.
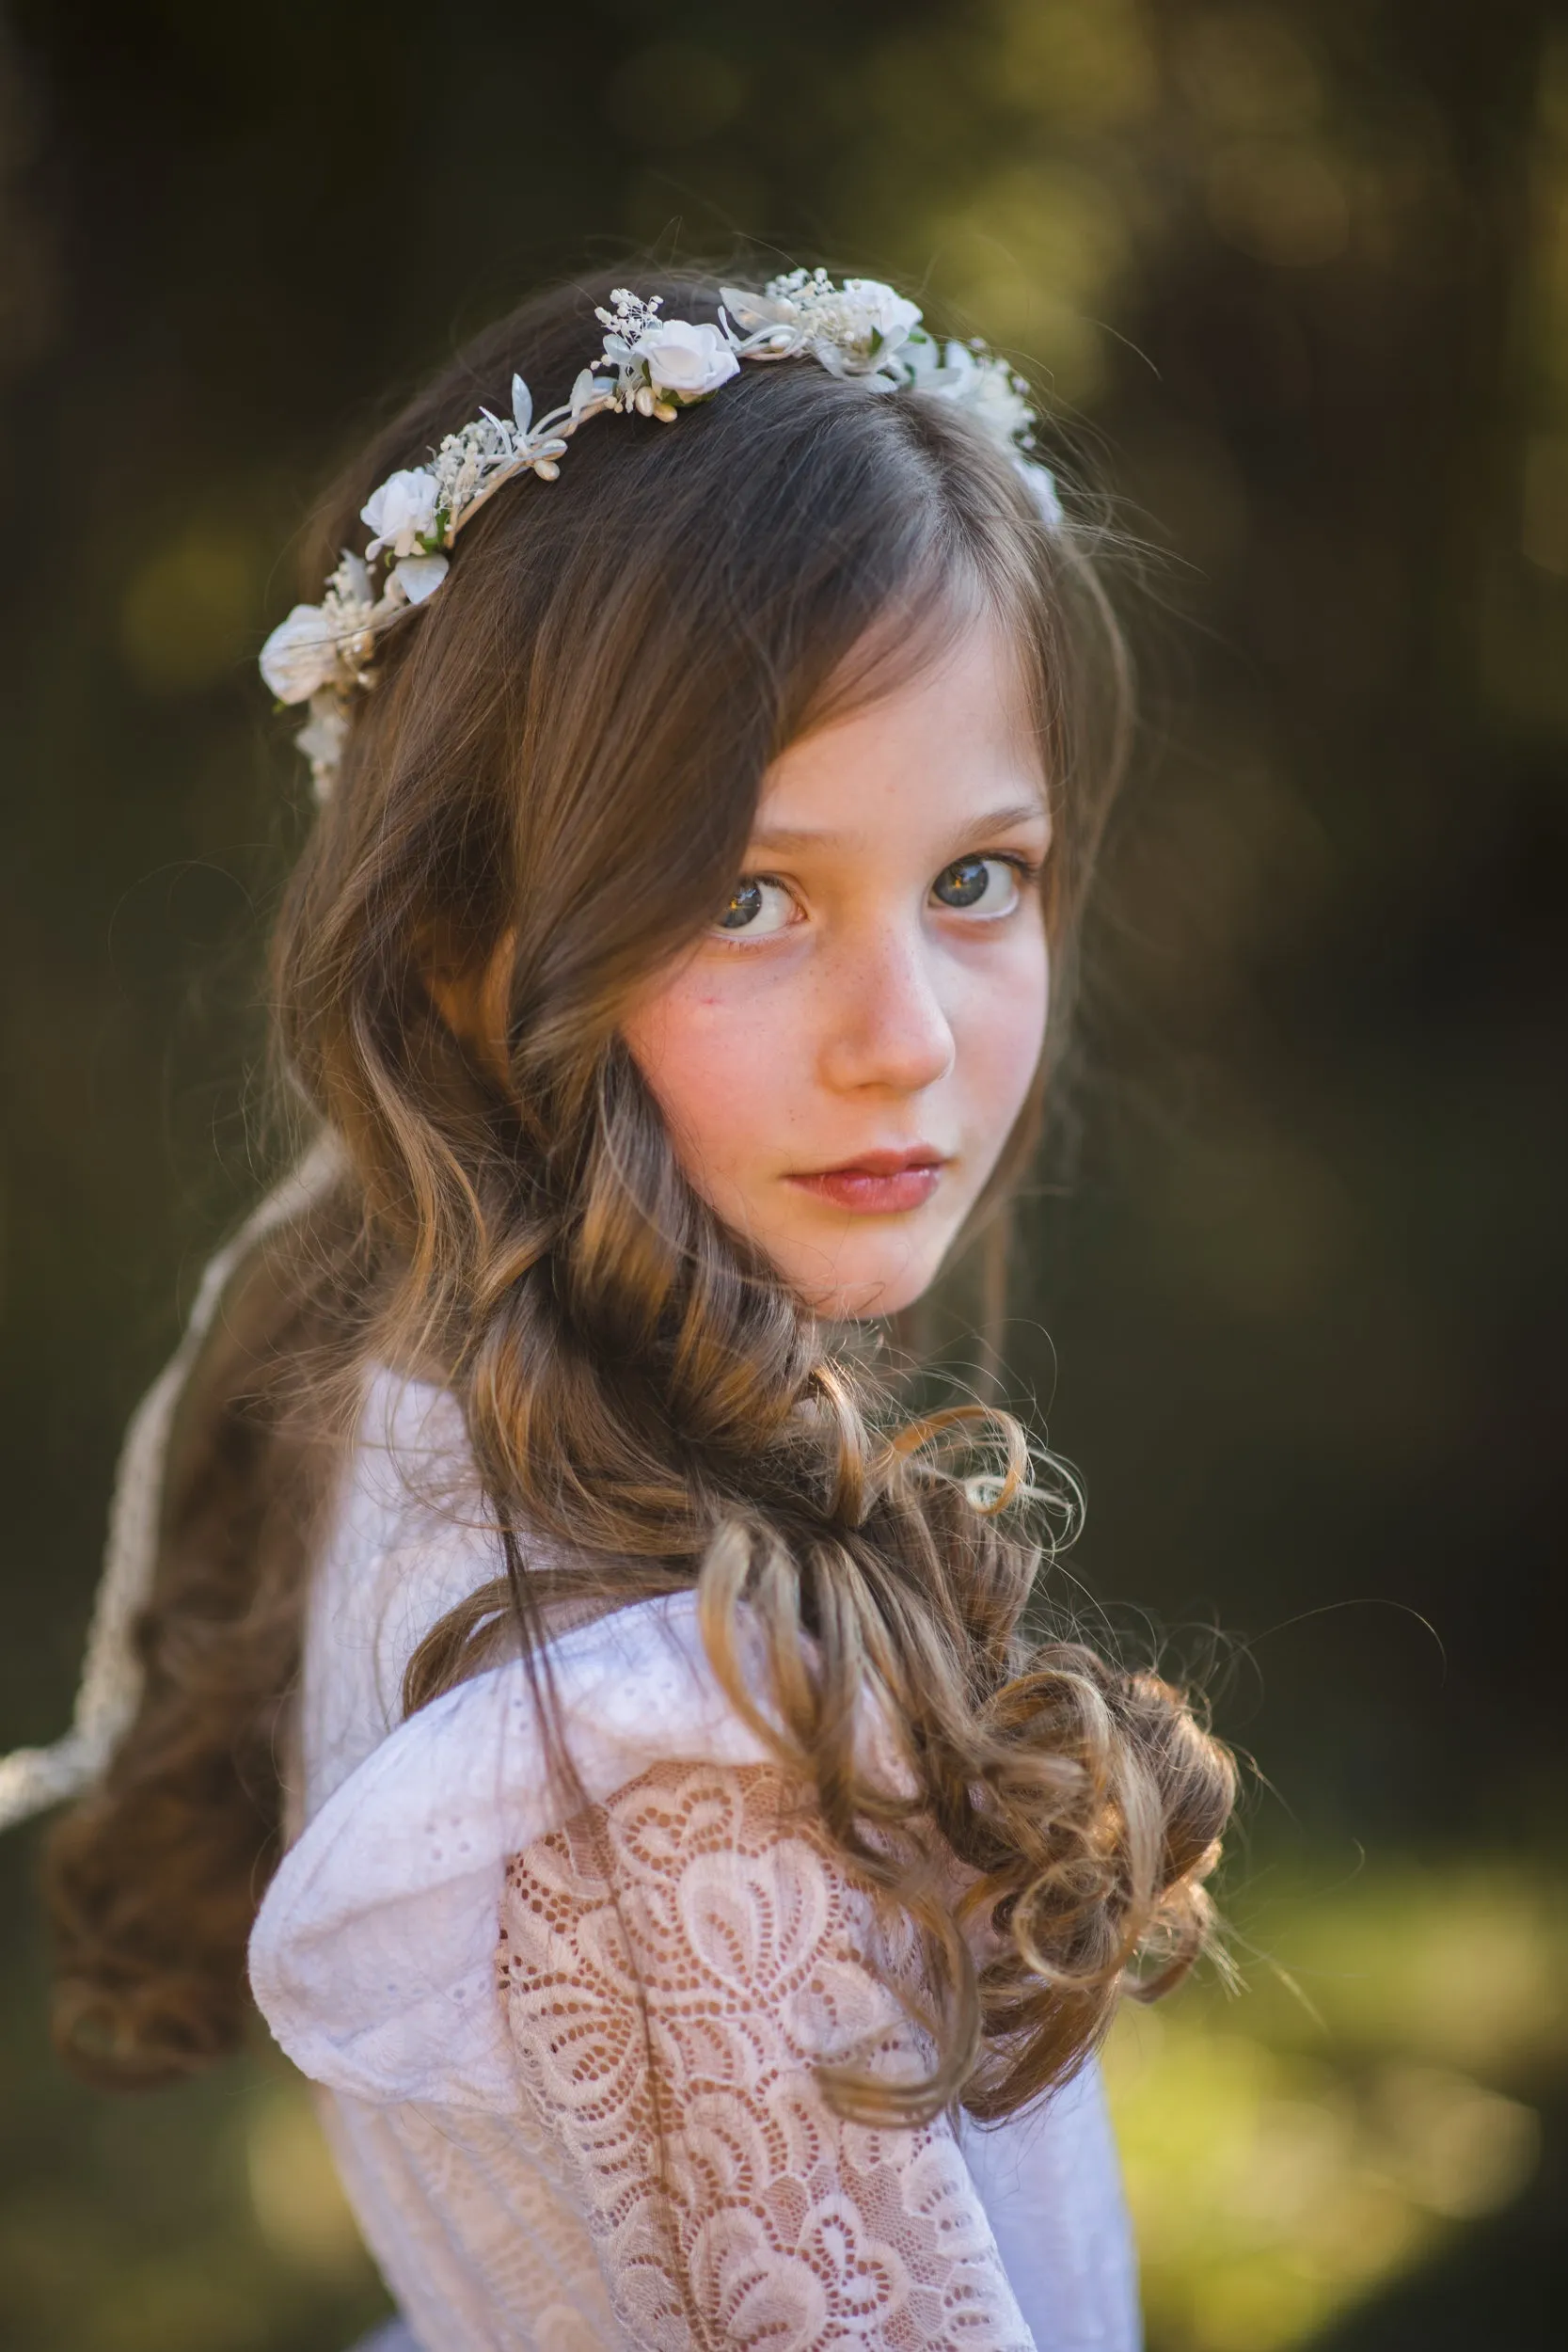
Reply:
x=974, y=827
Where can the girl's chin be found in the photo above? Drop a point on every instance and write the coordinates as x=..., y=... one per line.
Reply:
x=860, y=1286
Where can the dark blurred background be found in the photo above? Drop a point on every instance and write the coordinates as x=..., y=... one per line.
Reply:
x=1299, y=276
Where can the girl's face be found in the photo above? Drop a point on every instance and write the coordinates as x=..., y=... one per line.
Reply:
x=841, y=1057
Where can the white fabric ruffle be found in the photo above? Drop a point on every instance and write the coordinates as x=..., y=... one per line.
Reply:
x=374, y=1956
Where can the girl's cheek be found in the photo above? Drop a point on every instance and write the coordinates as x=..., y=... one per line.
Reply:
x=751, y=1012
x=1004, y=1026
x=716, y=1051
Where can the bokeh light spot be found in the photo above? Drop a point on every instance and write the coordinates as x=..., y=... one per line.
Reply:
x=189, y=613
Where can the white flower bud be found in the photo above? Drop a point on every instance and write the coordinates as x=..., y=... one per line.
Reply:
x=401, y=512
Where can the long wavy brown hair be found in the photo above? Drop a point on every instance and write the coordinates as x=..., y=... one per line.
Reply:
x=544, y=798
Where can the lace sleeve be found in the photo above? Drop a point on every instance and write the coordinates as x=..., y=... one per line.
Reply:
x=678, y=1958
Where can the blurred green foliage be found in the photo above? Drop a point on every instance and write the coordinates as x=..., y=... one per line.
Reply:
x=1299, y=273
x=1372, y=2094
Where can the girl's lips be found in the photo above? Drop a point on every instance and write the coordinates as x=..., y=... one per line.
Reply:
x=878, y=1184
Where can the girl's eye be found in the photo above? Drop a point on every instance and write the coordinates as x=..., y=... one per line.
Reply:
x=985, y=886
x=757, y=907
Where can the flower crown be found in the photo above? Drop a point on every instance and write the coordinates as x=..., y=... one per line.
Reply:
x=648, y=367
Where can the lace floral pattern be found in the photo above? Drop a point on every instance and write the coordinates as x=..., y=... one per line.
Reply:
x=683, y=1957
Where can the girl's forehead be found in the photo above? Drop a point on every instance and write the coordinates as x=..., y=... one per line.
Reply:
x=955, y=737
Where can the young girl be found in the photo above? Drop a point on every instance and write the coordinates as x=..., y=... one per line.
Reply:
x=696, y=1890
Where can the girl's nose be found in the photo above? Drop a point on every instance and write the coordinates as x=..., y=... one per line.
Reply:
x=884, y=1024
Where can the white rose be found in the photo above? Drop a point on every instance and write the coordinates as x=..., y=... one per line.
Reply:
x=689, y=361
x=301, y=655
x=886, y=314
x=401, y=512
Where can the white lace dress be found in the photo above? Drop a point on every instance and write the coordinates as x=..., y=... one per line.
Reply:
x=509, y=2014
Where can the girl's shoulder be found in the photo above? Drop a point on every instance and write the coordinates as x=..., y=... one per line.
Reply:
x=409, y=1537
x=372, y=1958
